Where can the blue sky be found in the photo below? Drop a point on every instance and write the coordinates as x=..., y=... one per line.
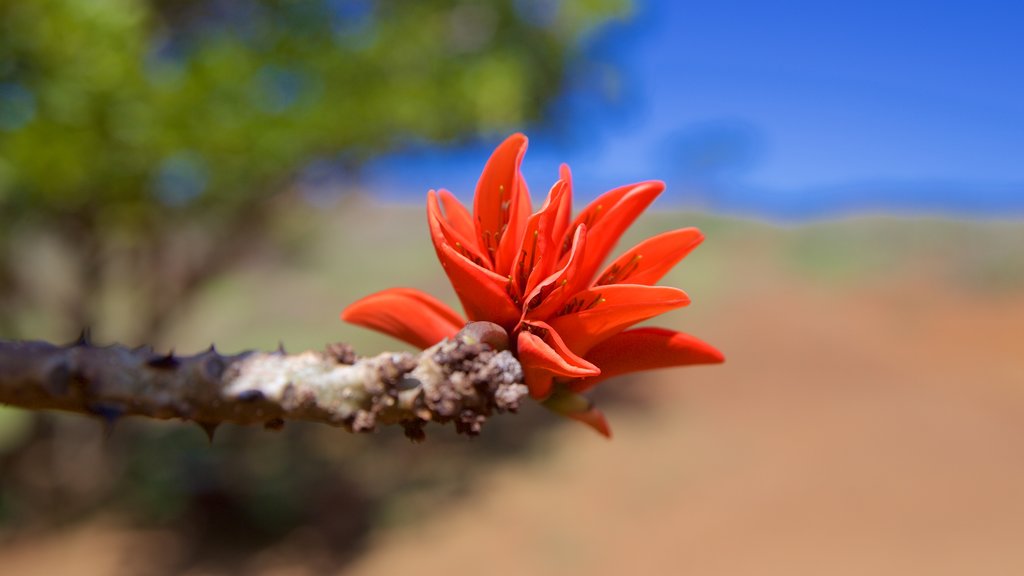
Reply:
x=786, y=109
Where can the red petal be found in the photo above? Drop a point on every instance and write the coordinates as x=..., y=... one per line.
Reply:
x=544, y=356
x=646, y=349
x=496, y=191
x=607, y=218
x=649, y=260
x=594, y=315
x=407, y=314
x=563, y=213
x=512, y=236
x=458, y=217
x=578, y=408
x=551, y=294
x=538, y=252
x=484, y=294
x=442, y=231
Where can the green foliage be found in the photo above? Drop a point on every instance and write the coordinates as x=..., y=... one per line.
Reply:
x=126, y=102
x=124, y=120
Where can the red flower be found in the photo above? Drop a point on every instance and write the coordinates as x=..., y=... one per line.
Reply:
x=537, y=275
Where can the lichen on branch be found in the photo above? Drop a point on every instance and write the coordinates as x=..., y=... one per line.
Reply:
x=453, y=381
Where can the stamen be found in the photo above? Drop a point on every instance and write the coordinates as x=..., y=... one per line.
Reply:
x=609, y=276
x=578, y=304
x=618, y=274
x=469, y=255
x=521, y=270
x=567, y=242
x=570, y=307
x=490, y=243
x=630, y=267
x=513, y=293
x=538, y=331
x=533, y=249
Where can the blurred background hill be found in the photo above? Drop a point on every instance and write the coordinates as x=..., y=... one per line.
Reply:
x=237, y=171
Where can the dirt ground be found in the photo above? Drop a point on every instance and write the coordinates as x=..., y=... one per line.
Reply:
x=865, y=427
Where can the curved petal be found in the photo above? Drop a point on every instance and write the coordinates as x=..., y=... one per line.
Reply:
x=563, y=212
x=649, y=260
x=484, y=294
x=443, y=232
x=578, y=408
x=552, y=293
x=544, y=356
x=594, y=315
x=407, y=314
x=458, y=217
x=497, y=189
x=646, y=349
x=537, y=252
x=512, y=234
x=607, y=218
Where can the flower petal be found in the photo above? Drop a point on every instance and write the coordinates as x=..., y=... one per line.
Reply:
x=407, y=314
x=563, y=213
x=552, y=293
x=646, y=349
x=538, y=251
x=484, y=294
x=578, y=408
x=649, y=260
x=498, y=193
x=512, y=235
x=607, y=218
x=594, y=315
x=458, y=217
x=544, y=356
x=442, y=231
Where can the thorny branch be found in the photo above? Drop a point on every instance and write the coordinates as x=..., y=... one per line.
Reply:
x=453, y=381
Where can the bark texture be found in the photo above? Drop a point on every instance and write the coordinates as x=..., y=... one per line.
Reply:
x=453, y=381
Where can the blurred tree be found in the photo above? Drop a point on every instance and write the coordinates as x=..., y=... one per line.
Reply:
x=154, y=137
x=148, y=145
